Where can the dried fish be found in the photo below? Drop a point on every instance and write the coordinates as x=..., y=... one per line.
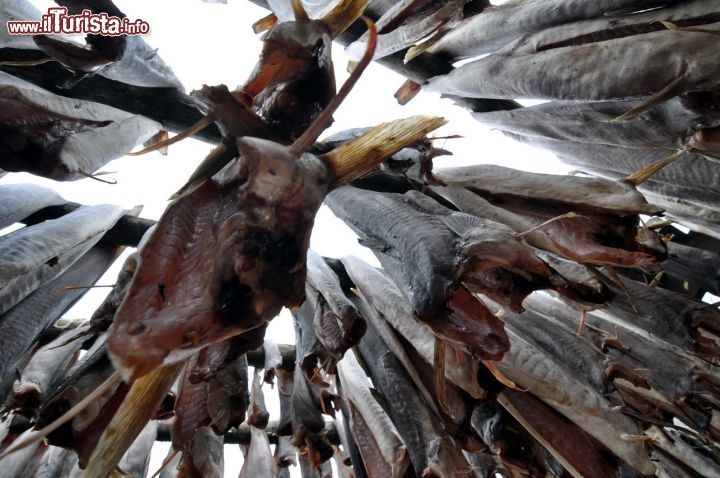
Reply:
x=394, y=344
x=56, y=462
x=693, y=179
x=258, y=460
x=407, y=23
x=386, y=298
x=347, y=439
x=285, y=454
x=293, y=81
x=307, y=422
x=82, y=432
x=273, y=359
x=431, y=451
x=171, y=464
x=342, y=311
x=674, y=443
x=157, y=282
x=45, y=369
x=660, y=312
x=191, y=409
x=579, y=194
x=529, y=367
x=422, y=253
x=586, y=362
x=567, y=236
x=375, y=434
x=667, y=125
x=137, y=408
x=62, y=138
x=259, y=415
x=244, y=237
x=17, y=10
x=205, y=457
x=498, y=26
x=617, y=25
x=676, y=62
x=21, y=200
x=140, y=65
x=693, y=264
x=45, y=305
x=667, y=467
x=577, y=452
x=33, y=256
x=228, y=396
x=310, y=351
x=24, y=462
x=137, y=459
x=218, y=356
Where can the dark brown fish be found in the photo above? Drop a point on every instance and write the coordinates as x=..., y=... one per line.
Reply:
x=82, y=432
x=528, y=366
x=191, y=409
x=251, y=250
x=228, y=395
x=576, y=451
x=294, y=79
x=60, y=138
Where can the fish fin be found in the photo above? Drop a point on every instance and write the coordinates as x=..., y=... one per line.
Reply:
x=501, y=377
x=407, y=91
x=265, y=23
x=195, y=128
x=583, y=318
x=668, y=91
x=375, y=244
x=646, y=172
x=616, y=279
x=567, y=215
x=213, y=162
x=672, y=26
x=461, y=223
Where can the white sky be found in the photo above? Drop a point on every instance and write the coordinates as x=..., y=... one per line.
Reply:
x=214, y=43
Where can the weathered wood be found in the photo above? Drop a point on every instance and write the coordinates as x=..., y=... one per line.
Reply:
x=127, y=231
x=242, y=435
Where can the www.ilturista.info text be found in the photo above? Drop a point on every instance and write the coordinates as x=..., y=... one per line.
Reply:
x=57, y=21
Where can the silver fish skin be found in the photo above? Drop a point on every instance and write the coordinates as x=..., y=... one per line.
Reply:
x=18, y=201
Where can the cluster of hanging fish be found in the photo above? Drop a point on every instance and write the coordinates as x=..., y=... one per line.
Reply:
x=518, y=325
x=626, y=84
